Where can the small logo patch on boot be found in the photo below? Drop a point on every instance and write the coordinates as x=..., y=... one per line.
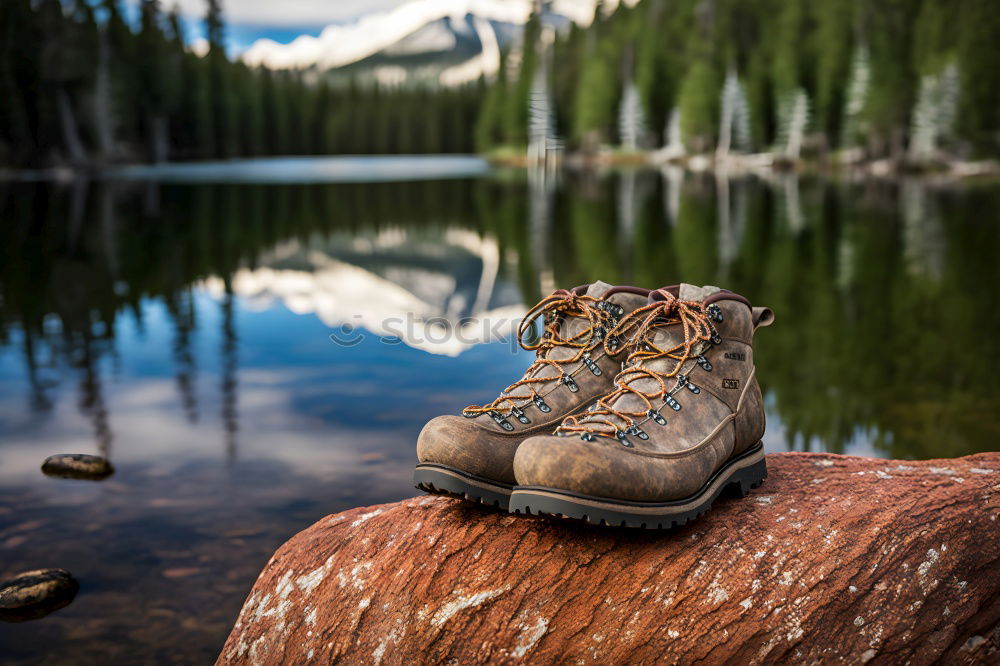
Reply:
x=736, y=356
x=730, y=383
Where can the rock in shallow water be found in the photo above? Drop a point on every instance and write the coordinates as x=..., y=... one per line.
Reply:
x=77, y=466
x=34, y=594
x=835, y=558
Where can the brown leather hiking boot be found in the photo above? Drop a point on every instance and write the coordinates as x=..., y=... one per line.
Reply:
x=472, y=455
x=683, y=422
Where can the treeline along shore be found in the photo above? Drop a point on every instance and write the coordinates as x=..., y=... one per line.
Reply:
x=80, y=85
x=912, y=82
x=916, y=82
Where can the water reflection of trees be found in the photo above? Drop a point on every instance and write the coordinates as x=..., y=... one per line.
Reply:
x=884, y=290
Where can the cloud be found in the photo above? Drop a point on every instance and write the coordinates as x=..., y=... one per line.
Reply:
x=199, y=46
x=294, y=13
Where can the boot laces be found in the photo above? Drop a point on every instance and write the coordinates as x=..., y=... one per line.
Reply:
x=554, y=309
x=639, y=327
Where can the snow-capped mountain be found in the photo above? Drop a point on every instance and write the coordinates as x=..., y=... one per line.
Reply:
x=452, y=41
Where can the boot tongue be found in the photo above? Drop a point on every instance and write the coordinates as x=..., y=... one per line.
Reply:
x=598, y=289
x=570, y=327
x=664, y=337
x=667, y=337
x=691, y=292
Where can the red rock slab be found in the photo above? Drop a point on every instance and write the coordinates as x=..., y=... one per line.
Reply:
x=835, y=558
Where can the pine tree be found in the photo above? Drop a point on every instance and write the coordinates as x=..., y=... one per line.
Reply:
x=888, y=30
x=541, y=120
x=790, y=64
x=178, y=92
x=62, y=67
x=516, y=111
x=154, y=68
x=489, y=123
x=835, y=21
x=246, y=91
x=225, y=120
x=275, y=115
x=854, y=126
x=117, y=87
x=734, y=125
x=934, y=113
x=979, y=68
x=656, y=67
x=631, y=118
x=18, y=76
x=197, y=77
x=698, y=107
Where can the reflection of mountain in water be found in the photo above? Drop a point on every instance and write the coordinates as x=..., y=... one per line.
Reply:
x=437, y=291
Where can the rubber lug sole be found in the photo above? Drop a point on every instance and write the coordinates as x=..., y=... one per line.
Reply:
x=443, y=480
x=738, y=477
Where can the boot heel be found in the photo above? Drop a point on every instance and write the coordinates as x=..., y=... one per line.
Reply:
x=748, y=478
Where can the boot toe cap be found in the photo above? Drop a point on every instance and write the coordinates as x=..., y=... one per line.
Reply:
x=600, y=468
x=457, y=442
x=565, y=463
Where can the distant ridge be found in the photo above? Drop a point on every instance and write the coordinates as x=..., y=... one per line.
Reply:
x=445, y=41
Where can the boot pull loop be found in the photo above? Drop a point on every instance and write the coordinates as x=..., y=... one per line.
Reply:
x=762, y=317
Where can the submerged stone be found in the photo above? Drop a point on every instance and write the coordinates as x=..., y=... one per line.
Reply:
x=77, y=466
x=34, y=594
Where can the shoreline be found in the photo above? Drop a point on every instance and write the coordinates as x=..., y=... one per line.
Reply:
x=830, y=166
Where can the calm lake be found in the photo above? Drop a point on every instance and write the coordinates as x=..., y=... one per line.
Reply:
x=179, y=322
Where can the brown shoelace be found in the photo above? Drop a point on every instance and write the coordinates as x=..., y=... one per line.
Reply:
x=555, y=308
x=639, y=327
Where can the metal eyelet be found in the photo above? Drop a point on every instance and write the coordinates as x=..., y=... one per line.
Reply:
x=543, y=406
x=715, y=312
x=469, y=415
x=682, y=380
x=672, y=403
x=611, y=308
x=638, y=432
x=501, y=421
x=620, y=434
x=587, y=437
x=703, y=362
x=519, y=414
x=593, y=367
x=570, y=383
x=716, y=338
x=656, y=416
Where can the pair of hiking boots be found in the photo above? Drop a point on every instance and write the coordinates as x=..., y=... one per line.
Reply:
x=640, y=408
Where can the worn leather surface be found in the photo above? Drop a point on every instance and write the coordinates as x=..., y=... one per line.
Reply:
x=723, y=420
x=482, y=447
